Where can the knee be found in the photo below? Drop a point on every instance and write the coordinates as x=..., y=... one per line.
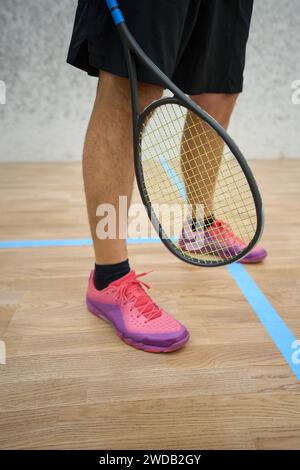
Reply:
x=218, y=105
x=117, y=90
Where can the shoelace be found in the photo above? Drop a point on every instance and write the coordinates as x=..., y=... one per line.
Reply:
x=132, y=290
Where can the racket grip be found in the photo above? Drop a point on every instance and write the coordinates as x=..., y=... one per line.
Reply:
x=115, y=11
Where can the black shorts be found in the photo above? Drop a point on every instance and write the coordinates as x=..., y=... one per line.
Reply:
x=199, y=44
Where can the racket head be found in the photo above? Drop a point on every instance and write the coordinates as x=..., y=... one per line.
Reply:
x=235, y=189
x=174, y=139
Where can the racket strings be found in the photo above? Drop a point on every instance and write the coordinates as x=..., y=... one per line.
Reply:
x=212, y=250
x=184, y=162
x=188, y=178
x=217, y=152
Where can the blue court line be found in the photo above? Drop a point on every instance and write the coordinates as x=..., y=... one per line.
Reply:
x=44, y=243
x=273, y=323
x=173, y=177
x=64, y=242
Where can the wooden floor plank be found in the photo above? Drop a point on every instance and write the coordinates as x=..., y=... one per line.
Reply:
x=69, y=382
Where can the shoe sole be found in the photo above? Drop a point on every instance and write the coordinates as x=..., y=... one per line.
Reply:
x=138, y=345
x=252, y=261
x=205, y=251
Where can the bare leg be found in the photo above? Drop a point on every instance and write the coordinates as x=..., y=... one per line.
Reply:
x=201, y=148
x=108, y=169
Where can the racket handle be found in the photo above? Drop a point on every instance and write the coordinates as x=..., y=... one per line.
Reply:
x=115, y=11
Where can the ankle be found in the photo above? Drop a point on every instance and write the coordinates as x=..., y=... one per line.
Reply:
x=104, y=274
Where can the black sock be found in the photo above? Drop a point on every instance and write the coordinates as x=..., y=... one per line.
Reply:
x=106, y=273
x=207, y=222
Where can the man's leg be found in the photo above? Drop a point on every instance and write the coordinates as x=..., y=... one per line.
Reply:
x=218, y=105
x=115, y=292
x=201, y=148
x=108, y=167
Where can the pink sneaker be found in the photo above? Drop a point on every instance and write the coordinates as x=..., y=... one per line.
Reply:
x=220, y=239
x=136, y=318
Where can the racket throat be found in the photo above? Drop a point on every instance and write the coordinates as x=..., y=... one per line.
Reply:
x=133, y=82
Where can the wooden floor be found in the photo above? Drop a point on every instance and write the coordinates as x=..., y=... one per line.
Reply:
x=69, y=382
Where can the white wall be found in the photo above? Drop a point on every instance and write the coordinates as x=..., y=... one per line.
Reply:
x=48, y=102
x=267, y=123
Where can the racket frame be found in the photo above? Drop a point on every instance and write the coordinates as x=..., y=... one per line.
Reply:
x=132, y=50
